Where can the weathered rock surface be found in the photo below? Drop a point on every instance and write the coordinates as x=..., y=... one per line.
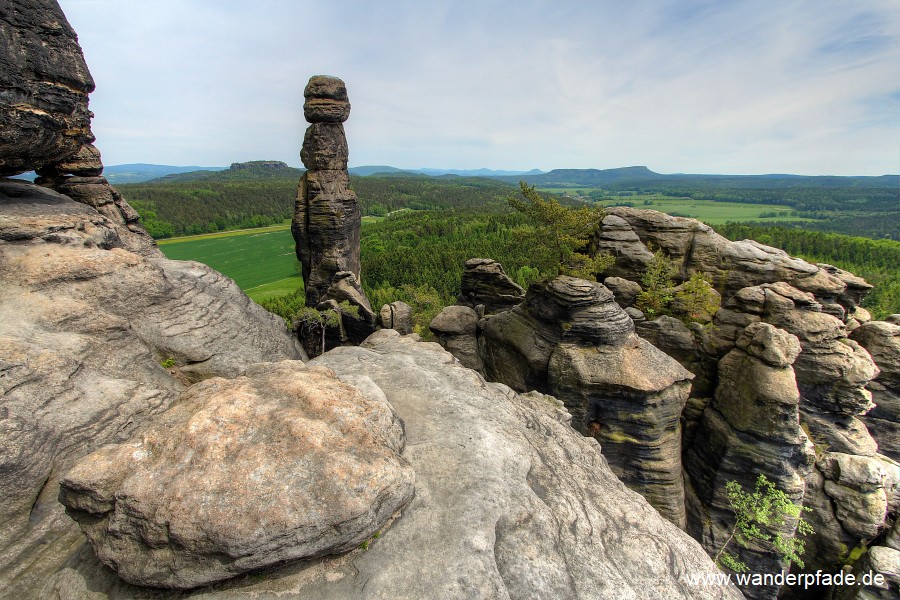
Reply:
x=84, y=325
x=832, y=370
x=398, y=316
x=510, y=502
x=516, y=345
x=44, y=87
x=629, y=397
x=624, y=291
x=571, y=339
x=327, y=215
x=346, y=288
x=285, y=462
x=485, y=282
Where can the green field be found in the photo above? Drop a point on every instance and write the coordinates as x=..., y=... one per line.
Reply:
x=713, y=213
x=261, y=261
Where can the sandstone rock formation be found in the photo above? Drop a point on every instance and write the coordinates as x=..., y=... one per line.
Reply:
x=84, y=325
x=510, y=502
x=44, y=87
x=571, y=339
x=327, y=215
x=731, y=266
x=282, y=463
x=832, y=373
x=455, y=328
x=484, y=282
x=397, y=315
x=751, y=427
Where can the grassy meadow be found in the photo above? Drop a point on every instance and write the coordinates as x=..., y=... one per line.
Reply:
x=261, y=261
x=712, y=213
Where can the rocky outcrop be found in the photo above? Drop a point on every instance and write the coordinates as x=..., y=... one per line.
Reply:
x=832, y=372
x=731, y=266
x=327, y=215
x=571, y=339
x=510, y=502
x=279, y=464
x=84, y=326
x=397, y=315
x=485, y=283
x=882, y=341
x=751, y=427
x=44, y=87
x=455, y=328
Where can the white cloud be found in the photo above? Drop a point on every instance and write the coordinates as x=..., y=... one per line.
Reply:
x=701, y=86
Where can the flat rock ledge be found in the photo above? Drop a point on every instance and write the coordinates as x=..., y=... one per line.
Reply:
x=282, y=463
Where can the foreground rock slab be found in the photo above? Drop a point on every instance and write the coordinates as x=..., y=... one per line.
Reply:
x=510, y=502
x=84, y=327
x=282, y=463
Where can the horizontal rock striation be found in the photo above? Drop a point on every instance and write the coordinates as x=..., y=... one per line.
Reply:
x=44, y=87
x=485, y=283
x=751, y=427
x=571, y=339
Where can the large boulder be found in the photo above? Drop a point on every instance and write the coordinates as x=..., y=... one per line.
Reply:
x=279, y=464
x=84, y=327
x=455, y=328
x=44, y=87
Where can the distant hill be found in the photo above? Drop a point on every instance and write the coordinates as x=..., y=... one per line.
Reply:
x=246, y=171
x=586, y=177
x=476, y=172
x=366, y=170
x=140, y=172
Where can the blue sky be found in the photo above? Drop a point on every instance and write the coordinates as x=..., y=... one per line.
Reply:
x=775, y=86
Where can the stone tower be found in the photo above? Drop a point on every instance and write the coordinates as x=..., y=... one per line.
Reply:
x=327, y=216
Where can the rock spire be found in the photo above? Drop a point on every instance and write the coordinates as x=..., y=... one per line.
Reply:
x=327, y=216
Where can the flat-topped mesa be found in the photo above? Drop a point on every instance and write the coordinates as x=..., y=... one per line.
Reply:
x=327, y=217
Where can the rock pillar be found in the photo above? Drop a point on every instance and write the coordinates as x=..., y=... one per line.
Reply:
x=327, y=216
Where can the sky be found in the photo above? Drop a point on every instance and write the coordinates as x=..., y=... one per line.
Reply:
x=809, y=87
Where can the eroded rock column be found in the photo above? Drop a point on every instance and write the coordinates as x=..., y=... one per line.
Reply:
x=327, y=215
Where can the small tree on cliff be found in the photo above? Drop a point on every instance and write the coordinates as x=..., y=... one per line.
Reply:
x=564, y=232
x=756, y=514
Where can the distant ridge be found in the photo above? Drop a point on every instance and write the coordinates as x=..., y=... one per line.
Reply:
x=140, y=172
x=245, y=171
